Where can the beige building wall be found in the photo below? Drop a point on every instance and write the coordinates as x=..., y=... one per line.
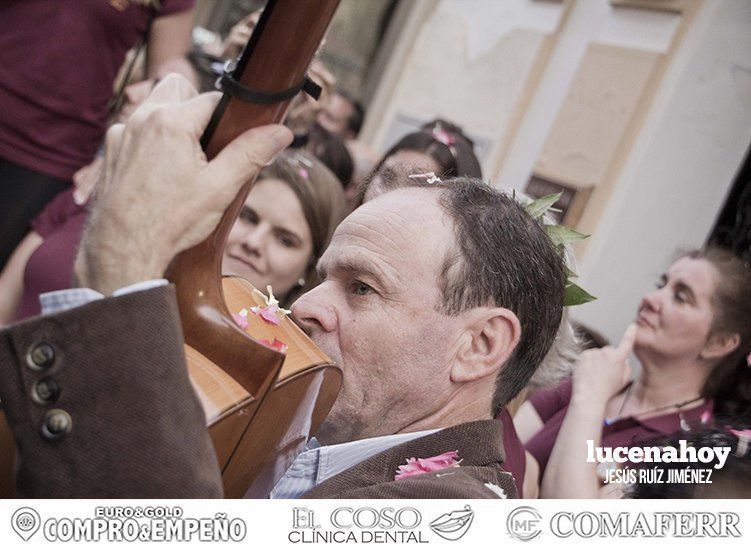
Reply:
x=648, y=110
x=470, y=62
x=680, y=168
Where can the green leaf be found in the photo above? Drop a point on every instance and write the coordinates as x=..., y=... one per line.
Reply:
x=561, y=235
x=574, y=295
x=570, y=274
x=537, y=208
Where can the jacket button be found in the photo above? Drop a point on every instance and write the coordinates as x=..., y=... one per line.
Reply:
x=45, y=391
x=57, y=423
x=40, y=356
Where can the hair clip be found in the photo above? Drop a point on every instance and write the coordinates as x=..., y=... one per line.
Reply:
x=744, y=437
x=302, y=164
x=430, y=177
x=443, y=136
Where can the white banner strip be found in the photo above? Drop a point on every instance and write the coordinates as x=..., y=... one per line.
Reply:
x=374, y=521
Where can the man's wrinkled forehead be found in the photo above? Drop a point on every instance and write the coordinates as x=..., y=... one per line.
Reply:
x=404, y=228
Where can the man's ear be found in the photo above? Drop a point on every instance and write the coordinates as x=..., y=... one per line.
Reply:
x=719, y=345
x=491, y=335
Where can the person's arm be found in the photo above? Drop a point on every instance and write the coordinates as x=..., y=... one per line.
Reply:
x=169, y=41
x=11, y=279
x=599, y=374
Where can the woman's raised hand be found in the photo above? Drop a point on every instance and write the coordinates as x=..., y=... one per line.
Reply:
x=600, y=374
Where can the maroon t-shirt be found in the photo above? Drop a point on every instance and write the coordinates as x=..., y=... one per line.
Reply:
x=59, y=60
x=50, y=267
x=515, y=461
x=552, y=406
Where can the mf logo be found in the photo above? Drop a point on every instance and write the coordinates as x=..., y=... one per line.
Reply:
x=523, y=523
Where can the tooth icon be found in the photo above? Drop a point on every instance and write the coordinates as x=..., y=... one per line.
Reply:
x=454, y=525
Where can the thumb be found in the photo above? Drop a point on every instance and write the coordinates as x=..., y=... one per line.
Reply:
x=627, y=342
x=247, y=154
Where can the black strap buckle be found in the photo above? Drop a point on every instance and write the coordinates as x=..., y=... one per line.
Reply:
x=228, y=84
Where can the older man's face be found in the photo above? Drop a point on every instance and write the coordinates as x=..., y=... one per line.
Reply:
x=376, y=314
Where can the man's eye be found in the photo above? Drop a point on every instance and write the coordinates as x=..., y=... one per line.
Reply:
x=361, y=289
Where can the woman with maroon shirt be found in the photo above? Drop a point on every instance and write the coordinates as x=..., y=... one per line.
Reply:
x=692, y=337
x=59, y=62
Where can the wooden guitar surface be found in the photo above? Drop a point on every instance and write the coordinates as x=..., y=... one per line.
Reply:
x=259, y=452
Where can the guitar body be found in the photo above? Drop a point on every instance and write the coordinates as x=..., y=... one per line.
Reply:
x=261, y=404
x=256, y=441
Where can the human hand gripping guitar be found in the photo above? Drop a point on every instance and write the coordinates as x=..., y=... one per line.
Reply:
x=164, y=207
x=77, y=386
x=598, y=376
x=159, y=194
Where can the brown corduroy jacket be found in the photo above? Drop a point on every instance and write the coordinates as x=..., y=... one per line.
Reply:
x=122, y=420
x=479, y=445
x=100, y=405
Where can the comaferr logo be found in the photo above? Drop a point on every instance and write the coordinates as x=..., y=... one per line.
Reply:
x=644, y=524
x=454, y=525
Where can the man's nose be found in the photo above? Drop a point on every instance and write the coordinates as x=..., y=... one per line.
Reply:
x=315, y=311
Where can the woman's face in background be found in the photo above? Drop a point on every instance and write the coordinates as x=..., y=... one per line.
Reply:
x=675, y=319
x=271, y=242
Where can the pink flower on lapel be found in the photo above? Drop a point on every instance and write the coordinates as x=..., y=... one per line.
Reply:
x=431, y=464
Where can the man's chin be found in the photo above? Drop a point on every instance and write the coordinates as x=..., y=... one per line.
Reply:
x=337, y=428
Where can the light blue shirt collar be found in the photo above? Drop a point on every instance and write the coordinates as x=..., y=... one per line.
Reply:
x=318, y=463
